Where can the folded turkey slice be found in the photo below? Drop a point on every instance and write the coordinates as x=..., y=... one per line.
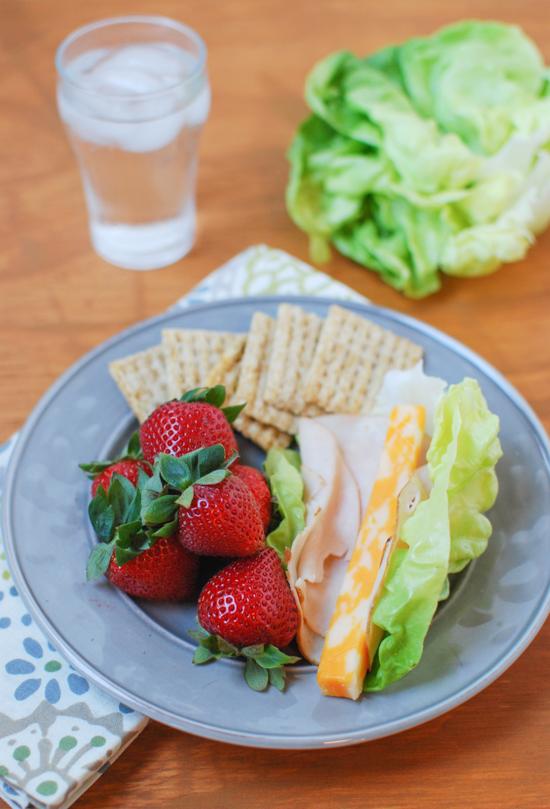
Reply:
x=340, y=456
x=361, y=441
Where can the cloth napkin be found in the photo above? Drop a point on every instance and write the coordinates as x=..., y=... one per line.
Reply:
x=58, y=733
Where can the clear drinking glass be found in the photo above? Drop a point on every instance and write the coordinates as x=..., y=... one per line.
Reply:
x=133, y=94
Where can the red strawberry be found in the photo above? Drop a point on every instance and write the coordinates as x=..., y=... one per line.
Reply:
x=179, y=427
x=249, y=602
x=222, y=520
x=129, y=469
x=165, y=572
x=259, y=488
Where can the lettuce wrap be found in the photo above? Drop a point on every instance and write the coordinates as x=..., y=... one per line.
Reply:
x=446, y=531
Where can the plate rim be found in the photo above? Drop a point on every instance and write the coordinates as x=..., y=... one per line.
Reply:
x=269, y=740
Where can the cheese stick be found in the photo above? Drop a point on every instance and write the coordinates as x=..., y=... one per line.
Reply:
x=352, y=640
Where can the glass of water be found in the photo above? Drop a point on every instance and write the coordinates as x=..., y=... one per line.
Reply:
x=133, y=94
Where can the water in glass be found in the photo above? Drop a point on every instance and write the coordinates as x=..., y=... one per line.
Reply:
x=134, y=113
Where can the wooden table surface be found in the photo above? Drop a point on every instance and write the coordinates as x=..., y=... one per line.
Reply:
x=57, y=300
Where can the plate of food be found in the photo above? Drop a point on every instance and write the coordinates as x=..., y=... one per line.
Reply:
x=360, y=548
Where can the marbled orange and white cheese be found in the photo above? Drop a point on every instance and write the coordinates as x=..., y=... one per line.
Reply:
x=351, y=641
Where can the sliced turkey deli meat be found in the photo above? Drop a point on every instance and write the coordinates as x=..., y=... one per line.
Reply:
x=361, y=440
x=352, y=639
x=333, y=516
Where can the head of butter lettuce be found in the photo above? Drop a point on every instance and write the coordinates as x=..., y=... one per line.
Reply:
x=427, y=157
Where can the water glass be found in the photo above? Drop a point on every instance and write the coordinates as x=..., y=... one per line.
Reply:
x=133, y=95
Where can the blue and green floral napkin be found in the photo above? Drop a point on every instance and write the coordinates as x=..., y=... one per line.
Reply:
x=58, y=732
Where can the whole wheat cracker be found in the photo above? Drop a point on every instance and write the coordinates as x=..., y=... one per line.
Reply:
x=141, y=379
x=192, y=353
x=352, y=356
x=294, y=341
x=253, y=375
x=226, y=373
x=263, y=435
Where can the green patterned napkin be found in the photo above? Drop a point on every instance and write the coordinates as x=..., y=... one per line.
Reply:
x=58, y=733
x=262, y=270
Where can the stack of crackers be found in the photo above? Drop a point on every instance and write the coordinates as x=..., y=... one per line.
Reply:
x=297, y=364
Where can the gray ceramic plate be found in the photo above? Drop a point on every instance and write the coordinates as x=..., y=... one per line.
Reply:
x=140, y=653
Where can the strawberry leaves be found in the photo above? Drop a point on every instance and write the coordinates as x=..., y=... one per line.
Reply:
x=98, y=560
x=256, y=677
x=206, y=467
x=102, y=516
x=175, y=471
x=119, y=505
x=166, y=530
x=122, y=496
x=132, y=451
x=160, y=511
x=116, y=518
x=158, y=505
x=232, y=411
x=264, y=666
x=129, y=519
x=186, y=497
x=214, y=396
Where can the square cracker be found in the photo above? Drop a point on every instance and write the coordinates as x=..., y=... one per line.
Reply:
x=141, y=379
x=192, y=353
x=227, y=372
x=294, y=341
x=352, y=356
x=253, y=376
x=263, y=435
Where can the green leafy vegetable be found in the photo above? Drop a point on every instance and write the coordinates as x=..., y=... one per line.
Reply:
x=446, y=591
x=473, y=486
x=443, y=534
x=282, y=468
x=426, y=157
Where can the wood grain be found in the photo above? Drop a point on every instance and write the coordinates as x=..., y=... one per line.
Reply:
x=57, y=300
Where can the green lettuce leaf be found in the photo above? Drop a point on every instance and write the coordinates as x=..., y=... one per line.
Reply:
x=282, y=468
x=427, y=157
x=473, y=486
x=326, y=92
x=482, y=249
x=312, y=204
x=470, y=77
x=402, y=242
x=445, y=532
